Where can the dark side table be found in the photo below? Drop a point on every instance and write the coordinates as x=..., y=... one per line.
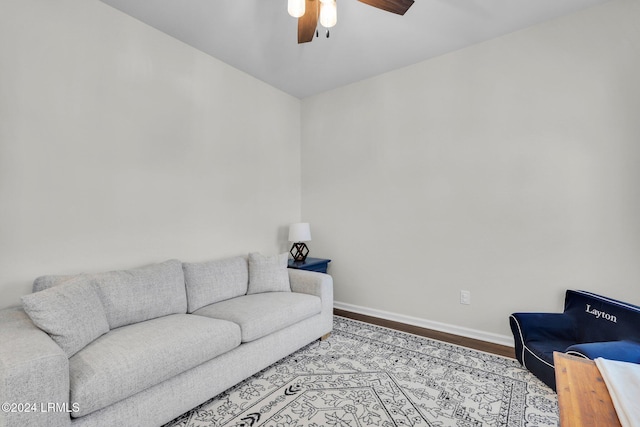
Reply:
x=310, y=264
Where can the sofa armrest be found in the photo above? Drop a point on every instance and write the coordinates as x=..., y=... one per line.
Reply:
x=623, y=351
x=540, y=327
x=318, y=284
x=544, y=326
x=34, y=374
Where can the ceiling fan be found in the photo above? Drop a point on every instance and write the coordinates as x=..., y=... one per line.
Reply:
x=309, y=12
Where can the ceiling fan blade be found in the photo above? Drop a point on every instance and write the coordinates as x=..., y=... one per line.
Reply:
x=394, y=6
x=308, y=22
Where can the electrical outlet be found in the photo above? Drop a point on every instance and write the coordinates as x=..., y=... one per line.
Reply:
x=465, y=297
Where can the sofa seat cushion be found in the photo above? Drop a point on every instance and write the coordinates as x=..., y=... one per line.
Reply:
x=544, y=349
x=261, y=314
x=132, y=358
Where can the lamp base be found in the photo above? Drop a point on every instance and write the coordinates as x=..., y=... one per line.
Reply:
x=299, y=251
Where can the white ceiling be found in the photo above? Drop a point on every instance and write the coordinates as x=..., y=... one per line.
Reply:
x=260, y=38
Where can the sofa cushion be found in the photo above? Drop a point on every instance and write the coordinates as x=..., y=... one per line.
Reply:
x=622, y=351
x=70, y=313
x=133, y=358
x=600, y=318
x=261, y=314
x=268, y=273
x=132, y=296
x=214, y=281
x=45, y=282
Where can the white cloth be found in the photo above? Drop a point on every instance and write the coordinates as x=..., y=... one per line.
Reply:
x=623, y=383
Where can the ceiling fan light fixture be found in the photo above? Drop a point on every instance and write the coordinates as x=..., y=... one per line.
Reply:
x=328, y=13
x=296, y=8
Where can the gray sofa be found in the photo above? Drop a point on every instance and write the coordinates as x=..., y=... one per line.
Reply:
x=140, y=347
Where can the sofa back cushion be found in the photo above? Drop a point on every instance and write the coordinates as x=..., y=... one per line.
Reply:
x=45, y=282
x=71, y=313
x=132, y=296
x=268, y=273
x=214, y=281
x=598, y=318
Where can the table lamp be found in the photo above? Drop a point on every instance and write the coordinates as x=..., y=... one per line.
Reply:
x=299, y=233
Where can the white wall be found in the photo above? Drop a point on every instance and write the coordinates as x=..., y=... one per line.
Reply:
x=120, y=146
x=510, y=169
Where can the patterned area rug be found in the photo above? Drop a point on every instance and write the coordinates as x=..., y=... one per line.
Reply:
x=365, y=375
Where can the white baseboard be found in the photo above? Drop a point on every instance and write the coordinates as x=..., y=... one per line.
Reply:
x=428, y=324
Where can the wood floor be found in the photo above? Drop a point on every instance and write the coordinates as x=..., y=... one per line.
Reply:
x=488, y=347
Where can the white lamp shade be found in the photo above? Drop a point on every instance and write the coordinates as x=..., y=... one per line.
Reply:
x=328, y=13
x=296, y=8
x=299, y=232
